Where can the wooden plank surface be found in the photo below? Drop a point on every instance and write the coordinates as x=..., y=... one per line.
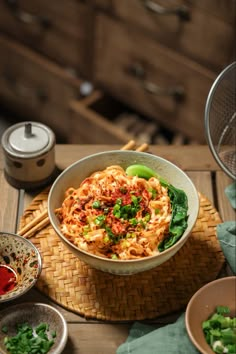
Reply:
x=188, y=157
x=9, y=204
x=203, y=183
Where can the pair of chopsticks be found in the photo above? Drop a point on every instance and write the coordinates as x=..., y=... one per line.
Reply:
x=131, y=145
x=41, y=221
x=35, y=225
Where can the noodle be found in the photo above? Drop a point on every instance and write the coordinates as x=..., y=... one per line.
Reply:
x=116, y=216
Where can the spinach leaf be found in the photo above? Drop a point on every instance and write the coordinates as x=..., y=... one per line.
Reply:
x=179, y=205
x=179, y=219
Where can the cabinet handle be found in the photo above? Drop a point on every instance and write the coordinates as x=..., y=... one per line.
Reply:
x=177, y=92
x=26, y=17
x=24, y=91
x=181, y=11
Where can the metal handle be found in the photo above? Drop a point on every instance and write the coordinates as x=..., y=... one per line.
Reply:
x=26, y=17
x=181, y=11
x=177, y=92
x=22, y=90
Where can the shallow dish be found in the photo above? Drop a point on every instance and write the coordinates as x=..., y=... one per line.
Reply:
x=20, y=266
x=77, y=172
x=220, y=292
x=34, y=314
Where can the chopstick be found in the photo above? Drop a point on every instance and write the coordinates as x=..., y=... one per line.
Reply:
x=131, y=145
x=143, y=147
x=42, y=220
x=36, y=224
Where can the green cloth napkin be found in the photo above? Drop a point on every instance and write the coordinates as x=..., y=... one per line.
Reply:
x=170, y=339
x=230, y=192
x=226, y=233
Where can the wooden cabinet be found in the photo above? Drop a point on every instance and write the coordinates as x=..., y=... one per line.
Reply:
x=202, y=30
x=164, y=56
x=37, y=88
x=171, y=89
x=57, y=29
x=159, y=58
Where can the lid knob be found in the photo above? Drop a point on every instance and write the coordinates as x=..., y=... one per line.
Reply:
x=28, y=130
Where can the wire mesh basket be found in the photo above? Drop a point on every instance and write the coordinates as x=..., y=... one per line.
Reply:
x=220, y=120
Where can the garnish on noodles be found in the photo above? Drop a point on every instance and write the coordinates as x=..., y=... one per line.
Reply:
x=122, y=216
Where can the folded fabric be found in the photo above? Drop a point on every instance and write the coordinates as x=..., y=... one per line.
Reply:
x=226, y=233
x=230, y=192
x=170, y=339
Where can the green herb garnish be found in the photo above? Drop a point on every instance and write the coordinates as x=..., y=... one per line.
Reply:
x=96, y=204
x=100, y=219
x=127, y=211
x=28, y=341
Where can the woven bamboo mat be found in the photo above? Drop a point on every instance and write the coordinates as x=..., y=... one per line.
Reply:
x=98, y=295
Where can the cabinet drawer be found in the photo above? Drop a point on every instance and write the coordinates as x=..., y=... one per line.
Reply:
x=94, y=125
x=58, y=29
x=34, y=87
x=139, y=71
x=197, y=29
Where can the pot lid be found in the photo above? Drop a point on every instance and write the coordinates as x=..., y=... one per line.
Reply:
x=28, y=138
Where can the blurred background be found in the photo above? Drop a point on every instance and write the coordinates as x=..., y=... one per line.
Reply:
x=107, y=71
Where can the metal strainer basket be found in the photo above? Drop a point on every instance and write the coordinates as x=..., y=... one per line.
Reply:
x=220, y=120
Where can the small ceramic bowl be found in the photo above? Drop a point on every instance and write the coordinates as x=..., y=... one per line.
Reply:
x=77, y=172
x=42, y=313
x=220, y=292
x=20, y=266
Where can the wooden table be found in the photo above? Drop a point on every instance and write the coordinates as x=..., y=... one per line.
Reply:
x=97, y=337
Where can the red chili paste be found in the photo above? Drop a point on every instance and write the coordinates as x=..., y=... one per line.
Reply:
x=7, y=279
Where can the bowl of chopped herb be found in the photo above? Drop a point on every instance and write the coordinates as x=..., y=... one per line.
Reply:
x=20, y=266
x=32, y=328
x=211, y=317
x=123, y=212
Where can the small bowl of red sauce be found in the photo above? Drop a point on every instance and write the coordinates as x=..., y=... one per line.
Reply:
x=20, y=266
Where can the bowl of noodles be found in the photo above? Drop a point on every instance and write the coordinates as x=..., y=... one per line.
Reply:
x=123, y=212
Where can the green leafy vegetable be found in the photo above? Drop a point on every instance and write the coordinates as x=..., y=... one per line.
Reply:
x=28, y=341
x=179, y=218
x=141, y=171
x=179, y=205
x=220, y=331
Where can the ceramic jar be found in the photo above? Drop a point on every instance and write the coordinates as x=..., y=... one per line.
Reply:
x=29, y=155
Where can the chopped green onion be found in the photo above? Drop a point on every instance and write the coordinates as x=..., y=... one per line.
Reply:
x=96, y=204
x=100, y=220
x=26, y=341
x=220, y=331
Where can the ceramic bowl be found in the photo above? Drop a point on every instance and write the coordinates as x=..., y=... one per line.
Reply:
x=220, y=292
x=77, y=172
x=33, y=314
x=22, y=260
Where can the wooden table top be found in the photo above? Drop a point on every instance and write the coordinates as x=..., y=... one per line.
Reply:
x=99, y=337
